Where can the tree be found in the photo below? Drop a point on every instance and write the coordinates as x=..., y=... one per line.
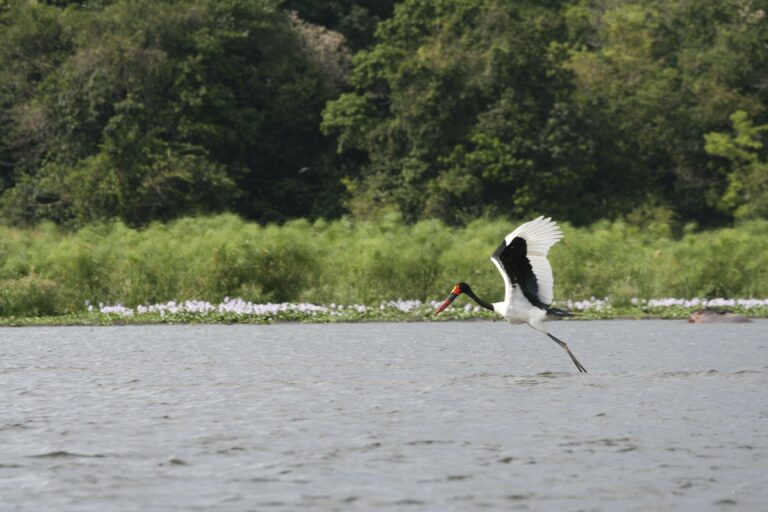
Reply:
x=156, y=109
x=355, y=19
x=659, y=75
x=746, y=195
x=35, y=43
x=462, y=109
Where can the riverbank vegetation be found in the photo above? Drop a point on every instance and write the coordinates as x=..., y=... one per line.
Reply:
x=232, y=311
x=147, y=111
x=49, y=271
x=358, y=151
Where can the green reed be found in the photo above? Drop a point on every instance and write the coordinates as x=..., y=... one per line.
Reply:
x=47, y=271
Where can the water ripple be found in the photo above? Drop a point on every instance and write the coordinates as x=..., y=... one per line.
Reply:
x=383, y=416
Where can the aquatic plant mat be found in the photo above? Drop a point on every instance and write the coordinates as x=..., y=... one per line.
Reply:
x=241, y=311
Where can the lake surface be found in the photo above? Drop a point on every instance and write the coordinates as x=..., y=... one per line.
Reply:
x=418, y=416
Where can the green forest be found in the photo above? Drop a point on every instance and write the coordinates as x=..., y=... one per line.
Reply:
x=144, y=111
x=363, y=150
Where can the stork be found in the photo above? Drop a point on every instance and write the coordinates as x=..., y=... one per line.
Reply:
x=522, y=260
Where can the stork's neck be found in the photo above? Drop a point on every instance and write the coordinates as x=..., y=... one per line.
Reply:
x=481, y=302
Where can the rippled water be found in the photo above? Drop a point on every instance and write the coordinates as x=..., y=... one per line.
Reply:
x=447, y=416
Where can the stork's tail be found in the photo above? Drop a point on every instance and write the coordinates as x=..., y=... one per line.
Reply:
x=558, y=313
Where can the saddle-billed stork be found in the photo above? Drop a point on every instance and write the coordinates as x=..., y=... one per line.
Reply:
x=522, y=260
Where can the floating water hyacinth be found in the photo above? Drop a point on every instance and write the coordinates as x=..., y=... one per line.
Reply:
x=592, y=304
x=235, y=309
x=239, y=310
x=699, y=303
x=117, y=309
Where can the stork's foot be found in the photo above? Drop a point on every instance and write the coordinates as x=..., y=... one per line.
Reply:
x=564, y=345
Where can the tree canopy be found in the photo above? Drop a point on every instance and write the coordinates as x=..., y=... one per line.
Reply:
x=585, y=109
x=147, y=110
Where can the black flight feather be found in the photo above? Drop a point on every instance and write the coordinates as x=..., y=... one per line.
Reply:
x=514, y=259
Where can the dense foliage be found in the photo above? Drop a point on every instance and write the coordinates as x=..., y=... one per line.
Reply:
x=50, y=271
x=580, y=109
x=144, y=110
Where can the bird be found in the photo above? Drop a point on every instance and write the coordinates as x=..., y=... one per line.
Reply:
x=522, y=260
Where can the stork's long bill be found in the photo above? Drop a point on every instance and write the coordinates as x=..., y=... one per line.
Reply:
x=451, y=297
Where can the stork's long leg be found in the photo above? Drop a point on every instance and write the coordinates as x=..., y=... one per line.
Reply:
x=573, y=358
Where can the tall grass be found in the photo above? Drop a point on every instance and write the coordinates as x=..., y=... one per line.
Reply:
x=45, y=271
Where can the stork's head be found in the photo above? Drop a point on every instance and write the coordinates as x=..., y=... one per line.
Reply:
x=457, y=290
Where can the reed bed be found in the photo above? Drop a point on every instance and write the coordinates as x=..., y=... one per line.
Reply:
x=47, y=272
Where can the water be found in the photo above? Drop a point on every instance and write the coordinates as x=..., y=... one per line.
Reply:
x=448, y=416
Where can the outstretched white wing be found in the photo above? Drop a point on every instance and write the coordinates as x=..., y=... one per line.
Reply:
x=522, y=260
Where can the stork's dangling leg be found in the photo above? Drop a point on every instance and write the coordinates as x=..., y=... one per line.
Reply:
x=564, y=345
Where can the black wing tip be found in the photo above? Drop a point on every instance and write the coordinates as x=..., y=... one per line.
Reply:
x=560, y=313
